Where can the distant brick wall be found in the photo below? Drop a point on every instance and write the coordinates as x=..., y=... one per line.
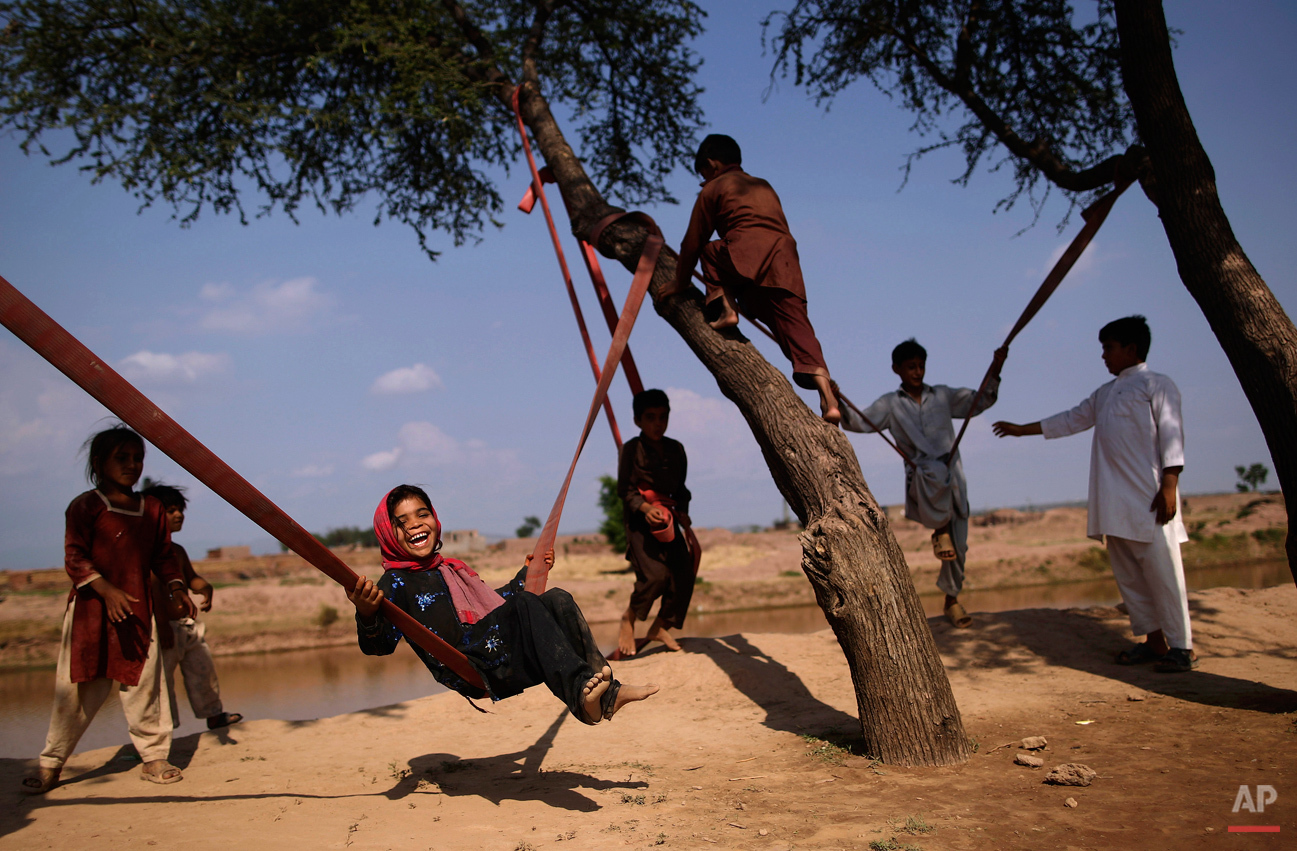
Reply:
x=223, y=553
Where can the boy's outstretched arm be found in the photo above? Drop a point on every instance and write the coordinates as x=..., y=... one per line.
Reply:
x=1007, y=429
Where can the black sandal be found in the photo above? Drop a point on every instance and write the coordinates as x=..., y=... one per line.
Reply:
x=1140, y=654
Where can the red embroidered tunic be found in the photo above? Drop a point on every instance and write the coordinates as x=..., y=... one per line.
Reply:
x=126, y=548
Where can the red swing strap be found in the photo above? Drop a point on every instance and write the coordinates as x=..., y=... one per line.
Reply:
x=52, y=342
x=1094, y=216
x=538, y=572
x=528, y=202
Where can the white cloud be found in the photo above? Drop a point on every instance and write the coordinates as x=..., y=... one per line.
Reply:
x=160, y=366
x=380, y=461
x=313, y=471
x=423, y=444
x=268, y=308
x=407, y=379
x=44, y=417
x=719, y=442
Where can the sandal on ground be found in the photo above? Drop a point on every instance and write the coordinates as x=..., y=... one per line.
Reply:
x=40, y=783
x=1140, y=654
x=958, y=616
x=1176, y=661
x=943, y=546
x=225, y=719
x=166, y=773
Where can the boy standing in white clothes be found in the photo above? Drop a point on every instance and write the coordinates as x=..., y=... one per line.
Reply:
x=1135, y=464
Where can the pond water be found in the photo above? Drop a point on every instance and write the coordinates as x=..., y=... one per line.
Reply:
x=308, y=684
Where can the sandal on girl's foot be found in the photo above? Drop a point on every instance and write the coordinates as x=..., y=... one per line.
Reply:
x=1176, y=661
x=225, y=719
x=1140, y=654
x=44, y=780
x=163, y=774
x=943, y=546
x=958, y=616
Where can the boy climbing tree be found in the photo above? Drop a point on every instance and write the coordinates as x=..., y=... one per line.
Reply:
x=754, y=264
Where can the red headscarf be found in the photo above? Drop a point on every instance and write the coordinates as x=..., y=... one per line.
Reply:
x=473, y=598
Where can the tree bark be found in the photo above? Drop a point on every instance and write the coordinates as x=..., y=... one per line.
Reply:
x=907, y=711
x=1257, y=335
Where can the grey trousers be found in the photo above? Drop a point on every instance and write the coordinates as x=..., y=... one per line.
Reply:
x=951, y=578
x=191, y=653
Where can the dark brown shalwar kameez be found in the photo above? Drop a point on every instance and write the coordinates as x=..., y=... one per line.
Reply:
x=661, y=570
x=756, y=261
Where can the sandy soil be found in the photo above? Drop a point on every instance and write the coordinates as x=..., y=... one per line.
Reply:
x=280, y=602
x=743, y=749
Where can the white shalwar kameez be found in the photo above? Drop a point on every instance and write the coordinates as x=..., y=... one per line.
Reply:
x=1138, y=434
x=936, y=492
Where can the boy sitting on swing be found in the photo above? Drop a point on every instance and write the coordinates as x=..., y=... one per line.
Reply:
x=921, y=420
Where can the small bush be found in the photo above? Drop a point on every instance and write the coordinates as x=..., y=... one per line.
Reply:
x=326, y=616
x=1095, y=559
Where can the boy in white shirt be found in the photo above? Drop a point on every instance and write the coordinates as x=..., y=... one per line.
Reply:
x=1135, y=464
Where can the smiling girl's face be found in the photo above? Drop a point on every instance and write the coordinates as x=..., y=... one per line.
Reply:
x=416, y=527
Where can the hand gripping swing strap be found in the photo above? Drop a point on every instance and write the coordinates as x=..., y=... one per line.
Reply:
x=538, y=572
x=1094, y=216
x=31, y=325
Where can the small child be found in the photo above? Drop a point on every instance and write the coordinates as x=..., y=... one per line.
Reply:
x=183, y=638
x=514, y=639
x=1135, y=463
x=754, y=264
x=651, y=484
x=921, y=420
x=115, y=539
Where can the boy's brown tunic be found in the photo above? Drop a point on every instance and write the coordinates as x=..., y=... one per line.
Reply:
x=661, y=570
x=756, y=261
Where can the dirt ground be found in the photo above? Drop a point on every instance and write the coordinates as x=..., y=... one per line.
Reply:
x=750, y=745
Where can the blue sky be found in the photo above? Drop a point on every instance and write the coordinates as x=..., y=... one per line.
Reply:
x=330, y=360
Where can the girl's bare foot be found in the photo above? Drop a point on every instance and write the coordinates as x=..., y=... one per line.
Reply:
x=44, y=780
x=626, y=635
x=828, y=400
x=592, y=691
x=630, y=694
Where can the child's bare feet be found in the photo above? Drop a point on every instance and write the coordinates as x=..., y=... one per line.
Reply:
x=630, y=694
x=626, y=635
x=44, y=780
x=658, y=632
x=828, y=400
x=593, y=691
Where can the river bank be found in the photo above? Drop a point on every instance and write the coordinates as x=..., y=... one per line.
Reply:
x=272, y=603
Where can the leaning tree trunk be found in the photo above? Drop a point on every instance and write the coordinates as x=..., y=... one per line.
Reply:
x=907, y=711
x=1258, y=337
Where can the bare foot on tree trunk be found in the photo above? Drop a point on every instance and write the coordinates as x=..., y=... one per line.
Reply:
x=828, y=400
x=626, y=635
x=729, y=316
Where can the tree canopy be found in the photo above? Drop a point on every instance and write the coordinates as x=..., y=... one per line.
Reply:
x=1025, y=73
x=214, y=103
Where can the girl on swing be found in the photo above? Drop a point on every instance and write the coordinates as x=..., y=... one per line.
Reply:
x=513, y=638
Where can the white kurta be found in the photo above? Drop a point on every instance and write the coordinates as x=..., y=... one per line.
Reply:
x=1138, y=433
x=925, y=430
